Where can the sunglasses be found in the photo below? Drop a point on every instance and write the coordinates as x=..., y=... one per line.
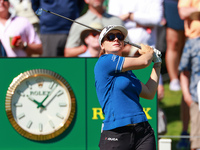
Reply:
x=112, y=36
x=94, y=33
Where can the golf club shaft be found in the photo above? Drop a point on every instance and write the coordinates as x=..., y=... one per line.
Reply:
x=71, y=20
x=138, y=46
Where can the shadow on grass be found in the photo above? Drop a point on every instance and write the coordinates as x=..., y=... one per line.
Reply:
x=172, y=112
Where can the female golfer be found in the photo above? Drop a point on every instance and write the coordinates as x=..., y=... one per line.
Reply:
x=118, y=89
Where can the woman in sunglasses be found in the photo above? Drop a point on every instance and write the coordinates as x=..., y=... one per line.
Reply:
x=118, y=90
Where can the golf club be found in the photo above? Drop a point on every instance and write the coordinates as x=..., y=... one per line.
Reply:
x=40, y=10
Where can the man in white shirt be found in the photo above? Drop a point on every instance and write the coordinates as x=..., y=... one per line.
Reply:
x=140, y=18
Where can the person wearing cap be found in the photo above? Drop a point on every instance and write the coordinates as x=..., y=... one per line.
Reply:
x=118, y=90
x=90, y=39
x=95, y=13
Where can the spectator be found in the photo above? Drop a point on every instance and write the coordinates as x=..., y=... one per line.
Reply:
x=24, y=9
x=184, y=143
x=175, y=40
x=95, y=13
x=140, y=18
x=162, y=120
x=12, y=4
x=54, y=30
x=189, y=66
x=90, y=39
x=161, y=90
x=17, y=35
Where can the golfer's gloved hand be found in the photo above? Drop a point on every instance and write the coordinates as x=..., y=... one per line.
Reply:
x=157, y=56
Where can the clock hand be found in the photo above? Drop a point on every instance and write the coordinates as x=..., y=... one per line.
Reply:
x=53, y=98
x=41, y=103
x=48, y=103
x=33, y=100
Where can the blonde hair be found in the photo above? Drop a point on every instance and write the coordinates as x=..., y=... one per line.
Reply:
x=102, y=52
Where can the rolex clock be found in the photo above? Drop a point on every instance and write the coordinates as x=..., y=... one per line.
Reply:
x=40, y=104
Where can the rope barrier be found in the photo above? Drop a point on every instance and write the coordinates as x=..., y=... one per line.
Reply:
x=178, y=136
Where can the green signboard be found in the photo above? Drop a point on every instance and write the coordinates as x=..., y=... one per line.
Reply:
x=94, y=112
x=84, y=131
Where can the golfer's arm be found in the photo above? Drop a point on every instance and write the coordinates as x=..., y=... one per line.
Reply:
x=74, y=52
x=133, y=63
x=149, y=89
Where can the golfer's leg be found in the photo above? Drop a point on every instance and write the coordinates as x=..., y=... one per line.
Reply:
x=148, y=144
x=144, y=138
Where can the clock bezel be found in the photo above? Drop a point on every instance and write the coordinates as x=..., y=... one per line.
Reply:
x=35, y=73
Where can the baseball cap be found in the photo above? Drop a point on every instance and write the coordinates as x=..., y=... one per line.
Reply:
x=112, y=27
x=85, y=32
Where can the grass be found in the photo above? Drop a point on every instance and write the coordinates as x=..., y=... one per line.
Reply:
x=171, y=106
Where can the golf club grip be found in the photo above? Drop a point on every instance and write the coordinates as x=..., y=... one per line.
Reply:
x=138, y=46
x=135, y=45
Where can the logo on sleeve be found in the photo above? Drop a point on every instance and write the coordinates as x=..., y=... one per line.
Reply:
x=114, y=58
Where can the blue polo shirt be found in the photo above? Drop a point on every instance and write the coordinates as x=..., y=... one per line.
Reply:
x=118, y=92
x=190, y=61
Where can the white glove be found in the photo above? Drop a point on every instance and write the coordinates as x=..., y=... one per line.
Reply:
x=157, y=56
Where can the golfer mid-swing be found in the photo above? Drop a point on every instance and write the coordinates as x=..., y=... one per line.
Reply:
x=118, y=89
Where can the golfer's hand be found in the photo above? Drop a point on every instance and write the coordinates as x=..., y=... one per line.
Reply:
x=157, y=56
x=145, y=49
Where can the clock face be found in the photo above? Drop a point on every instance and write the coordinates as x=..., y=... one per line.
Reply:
x=40, y=104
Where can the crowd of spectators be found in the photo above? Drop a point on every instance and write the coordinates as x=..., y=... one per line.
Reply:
x=17, y=35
